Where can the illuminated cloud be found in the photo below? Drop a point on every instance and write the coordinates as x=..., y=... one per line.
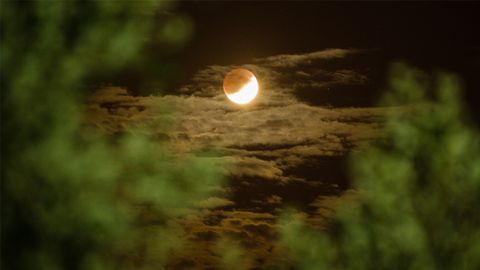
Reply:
x=281, y=150
x=214, y=202
x=293, y=60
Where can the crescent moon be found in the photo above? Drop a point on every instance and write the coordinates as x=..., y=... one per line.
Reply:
x=240, y=86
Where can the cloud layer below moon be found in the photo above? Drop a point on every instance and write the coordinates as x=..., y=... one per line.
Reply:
x=287, y=147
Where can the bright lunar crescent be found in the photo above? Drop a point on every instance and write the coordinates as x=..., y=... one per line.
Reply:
x=240, y=86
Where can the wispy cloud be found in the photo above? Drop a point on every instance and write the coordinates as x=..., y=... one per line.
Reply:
x=293, y=60
x=270, y=147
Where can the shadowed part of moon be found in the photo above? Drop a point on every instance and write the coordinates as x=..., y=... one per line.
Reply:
x=235, y=80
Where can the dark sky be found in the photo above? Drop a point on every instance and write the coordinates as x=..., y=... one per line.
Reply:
x=432, y=36
x=428, y=35
x=229, y=32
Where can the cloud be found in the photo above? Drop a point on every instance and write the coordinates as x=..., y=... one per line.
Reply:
x=280, y=149
x=255, y=232
x=214, y=202
x=325, y=206
x=293, y=60
x=274, y=199
x=269, y=139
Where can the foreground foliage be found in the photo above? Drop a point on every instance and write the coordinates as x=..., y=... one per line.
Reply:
x=420, y=185
x=71, y=199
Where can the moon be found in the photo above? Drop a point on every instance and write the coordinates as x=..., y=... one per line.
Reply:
x=240, y=86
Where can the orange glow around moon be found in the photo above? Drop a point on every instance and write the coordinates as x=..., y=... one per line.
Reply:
x=240, y=86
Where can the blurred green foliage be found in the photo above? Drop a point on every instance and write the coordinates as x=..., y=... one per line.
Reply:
x=232, y=256
x=420, y=186
x=71, y=198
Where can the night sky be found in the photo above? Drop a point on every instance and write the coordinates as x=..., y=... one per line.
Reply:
x=431, y=36
x=321, y=68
